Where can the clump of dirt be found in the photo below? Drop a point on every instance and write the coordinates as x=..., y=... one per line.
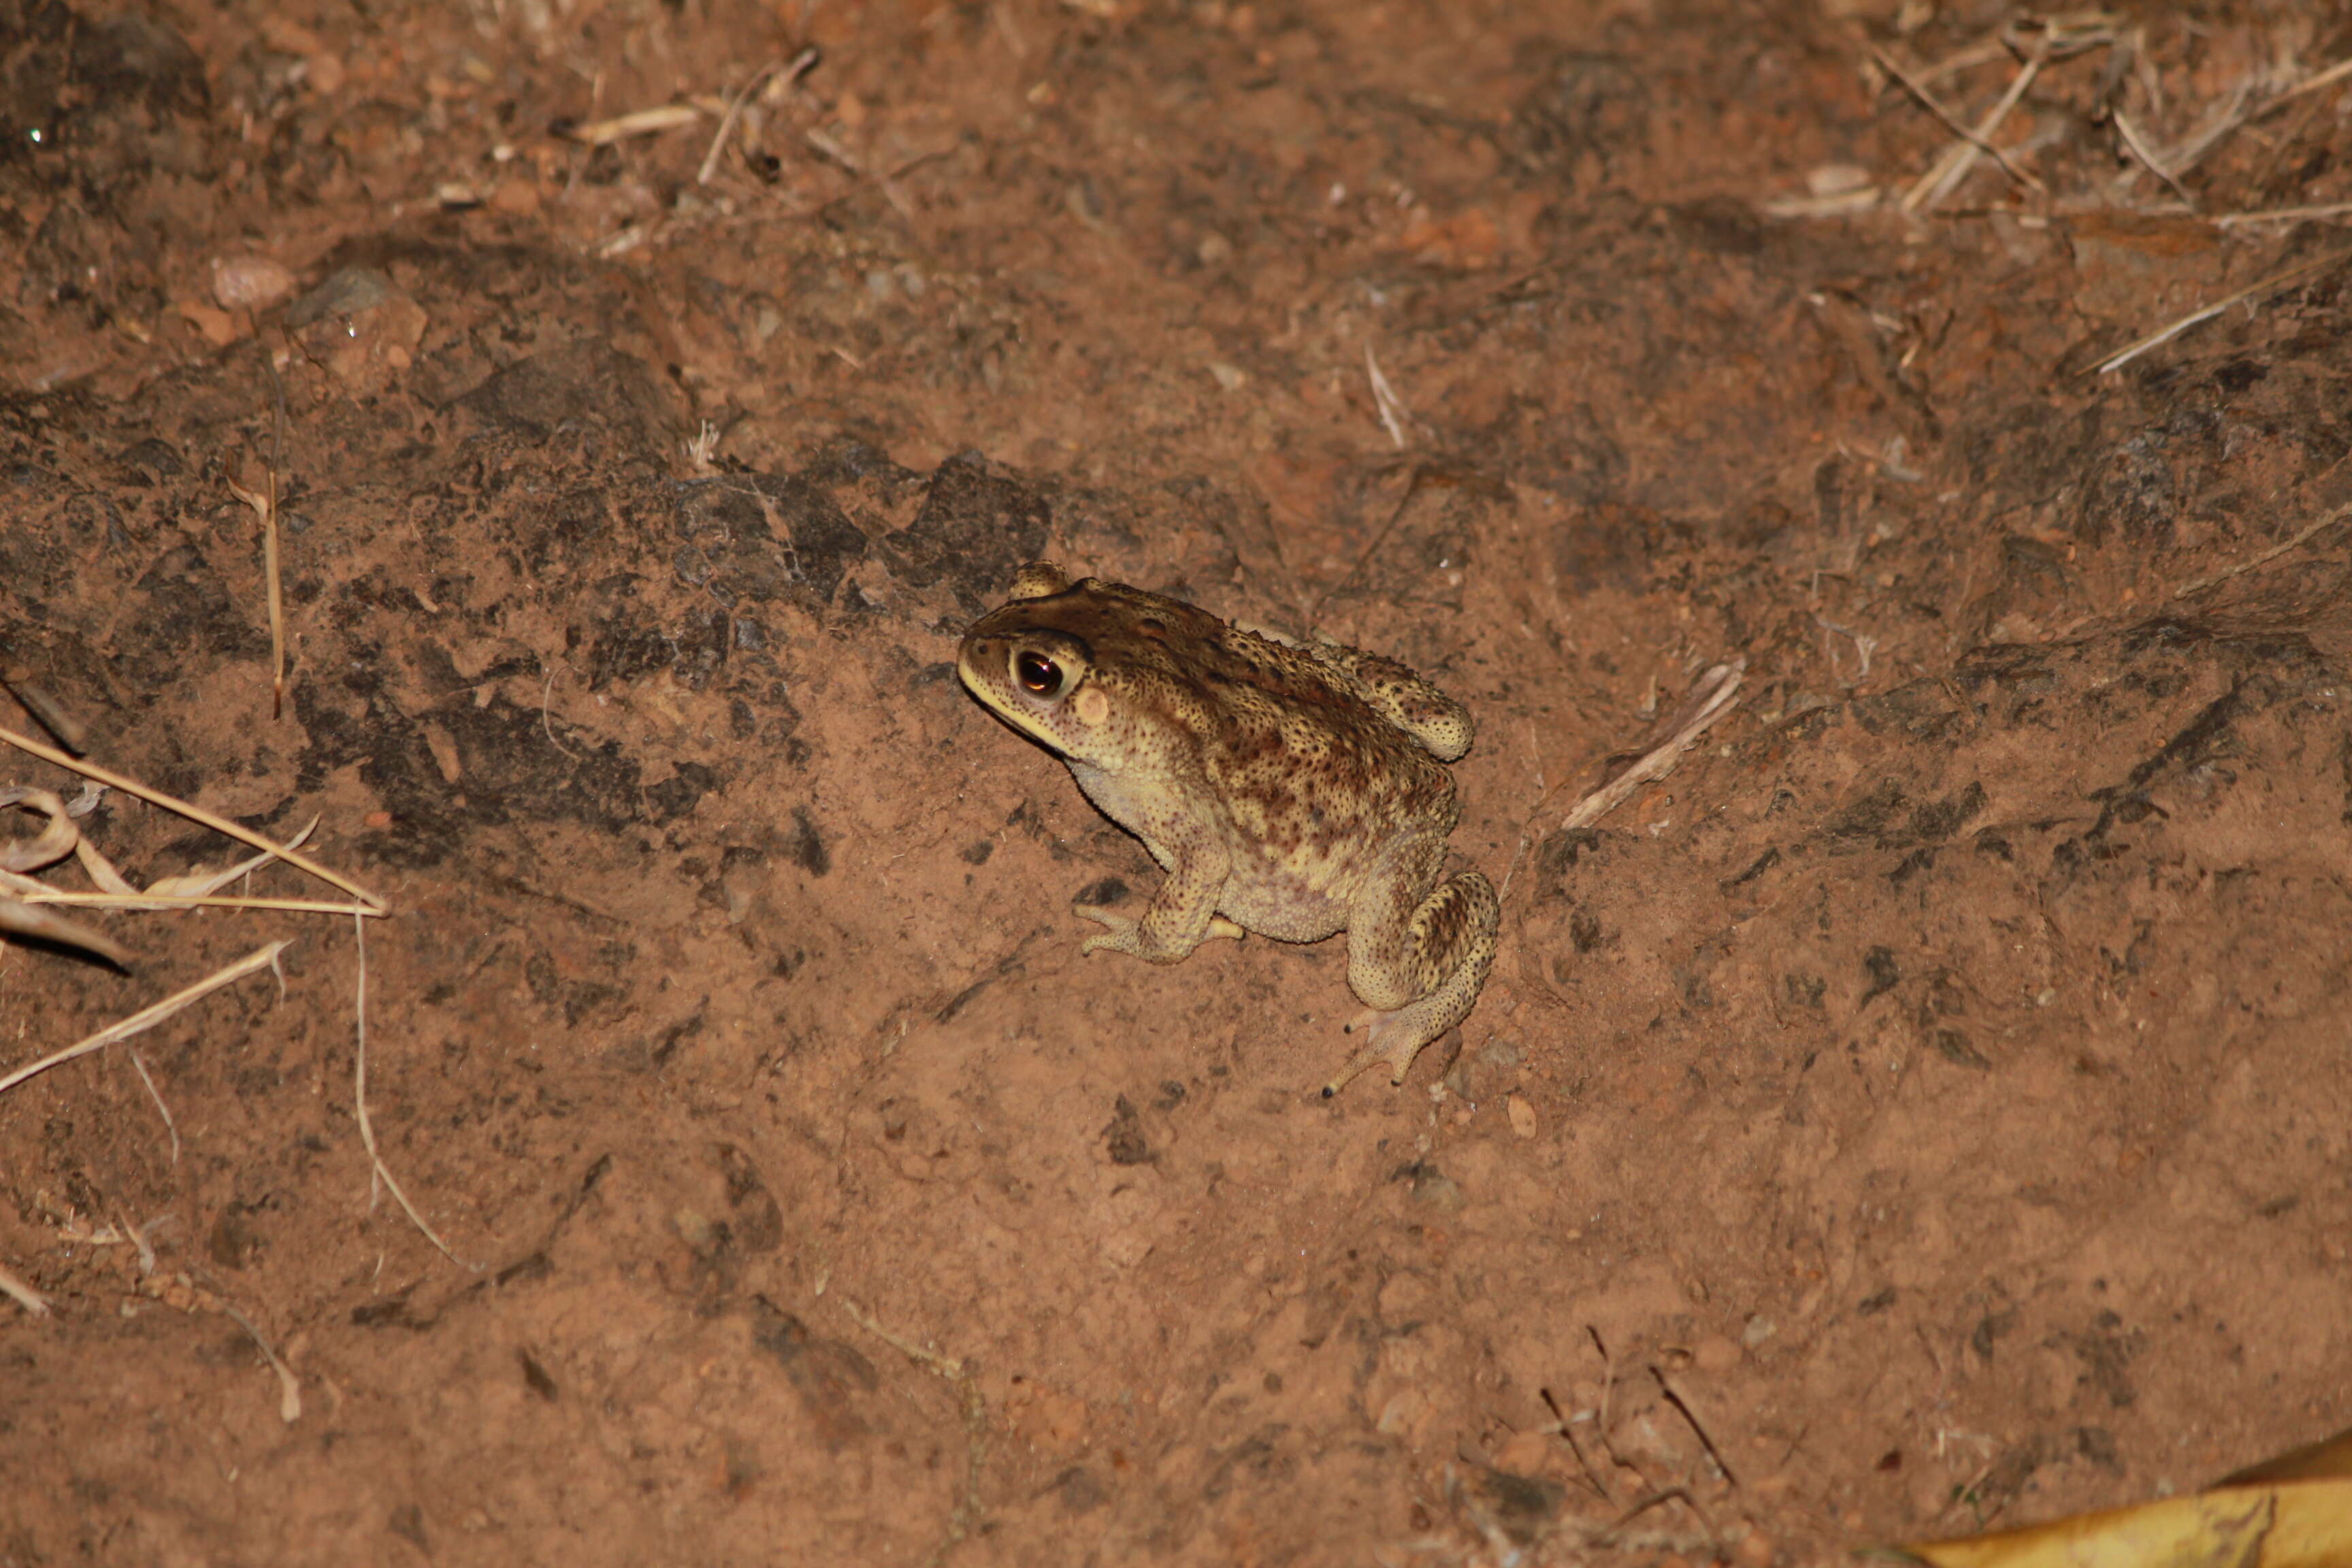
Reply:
x=1924, y=1108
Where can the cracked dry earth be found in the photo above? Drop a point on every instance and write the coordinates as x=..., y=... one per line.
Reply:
x=1925, y=1109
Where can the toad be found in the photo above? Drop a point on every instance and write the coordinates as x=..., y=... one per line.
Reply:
x=1293, y=790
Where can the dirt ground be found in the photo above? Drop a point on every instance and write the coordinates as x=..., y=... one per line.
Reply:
x=1925, y=1109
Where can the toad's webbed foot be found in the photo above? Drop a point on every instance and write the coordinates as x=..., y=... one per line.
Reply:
x=1127, y=935
x=1432, y=965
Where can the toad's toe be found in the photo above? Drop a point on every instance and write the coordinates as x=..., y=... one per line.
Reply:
x=1396, y=1038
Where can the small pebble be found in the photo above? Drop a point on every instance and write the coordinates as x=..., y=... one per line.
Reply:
x=250, y=282
x=1522, y=1115
x=1716, y=1353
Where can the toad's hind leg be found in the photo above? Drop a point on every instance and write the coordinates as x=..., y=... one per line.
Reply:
x=1417, y=967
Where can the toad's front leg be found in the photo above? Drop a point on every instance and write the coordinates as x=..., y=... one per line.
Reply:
x=1182, y=914
x=1416, y=961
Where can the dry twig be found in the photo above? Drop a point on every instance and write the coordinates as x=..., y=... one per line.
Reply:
x=1614, y=1534
x=1420, y=475
x=1681, y=1402
x=1566, y=1427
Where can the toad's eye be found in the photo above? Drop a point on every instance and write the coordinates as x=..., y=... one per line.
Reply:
x=1038, y=673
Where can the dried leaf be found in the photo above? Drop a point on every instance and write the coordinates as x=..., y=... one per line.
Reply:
x=205, y=884
x=25, y=920
x=57, y=840
x=2292, y=1511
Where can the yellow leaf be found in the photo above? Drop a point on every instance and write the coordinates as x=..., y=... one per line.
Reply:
x=2291, y=1512
x=2295, y=1524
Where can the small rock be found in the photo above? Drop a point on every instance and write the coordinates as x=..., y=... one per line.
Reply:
x=250, y=282
x=345, y=293
x=1522, y=1115
x=516, y=196
x=1526, y=1453
x=1836, y=179
x=1716, y=1353
x=217, y=326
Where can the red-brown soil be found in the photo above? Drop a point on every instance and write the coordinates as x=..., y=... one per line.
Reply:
x=1926, y=1109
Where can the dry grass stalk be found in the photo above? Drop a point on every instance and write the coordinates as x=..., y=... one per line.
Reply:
x=264, y=507
x=1715, y=695
x=378, y=1171
x=967, y=1516
x=2141, y=149
x=1953, y=167
x=151, y=901
x=2244, y=111
x=1975, y=55
x=2327, y=77
x=156, y=1095
x=2193, y=148
x=2282, y=214
x=289, y=1391
x=263, y=957
x=2165, y=335
x=14, y=1287
x=1391, y=406
x=637, y=122
x=19, y=918
x=2199, y=586
x=193, y=813
x=729, y=121
x=190, y=890
x=51, y=714
x=1951, y=122
x=801, y=64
